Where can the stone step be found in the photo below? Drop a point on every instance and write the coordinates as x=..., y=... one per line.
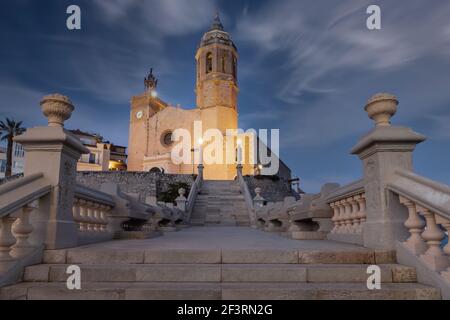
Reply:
x=221, y=273
x=225, y=291
x=328, y=291
x=227, y=256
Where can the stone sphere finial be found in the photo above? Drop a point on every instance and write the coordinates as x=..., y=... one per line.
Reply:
x=57, y=108
x=181, y=192
x=381, y=108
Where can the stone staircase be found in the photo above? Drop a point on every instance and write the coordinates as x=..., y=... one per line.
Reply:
x=220, y=203
x=210, y=274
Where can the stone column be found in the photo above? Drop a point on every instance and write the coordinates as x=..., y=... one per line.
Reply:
x=383, y=150
x=54, y=152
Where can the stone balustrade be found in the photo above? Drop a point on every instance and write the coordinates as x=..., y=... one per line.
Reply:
x=349, y=214
x=428, y=219
x=90, y=216
x=19, y=199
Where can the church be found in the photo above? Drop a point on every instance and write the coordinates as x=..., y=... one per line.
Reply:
x=153, y=121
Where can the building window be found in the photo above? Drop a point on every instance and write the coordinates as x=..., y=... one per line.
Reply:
x=209, y=62
x=223, y=63
x=19, y=152
x=92, y=158
x=166, y=139
x=2, y=166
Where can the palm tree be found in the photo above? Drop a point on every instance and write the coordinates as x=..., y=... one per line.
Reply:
x=8, y=130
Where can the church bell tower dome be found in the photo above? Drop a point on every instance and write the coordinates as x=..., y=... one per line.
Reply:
x=217, y=35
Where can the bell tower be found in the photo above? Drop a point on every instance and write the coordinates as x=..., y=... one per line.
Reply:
x=217, y=59
x=217, y=90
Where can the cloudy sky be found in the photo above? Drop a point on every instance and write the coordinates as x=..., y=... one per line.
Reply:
x=306, y=67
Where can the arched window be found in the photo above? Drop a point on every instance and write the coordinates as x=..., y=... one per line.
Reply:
x=209, y=62
x=235, y=68
x=223, y=61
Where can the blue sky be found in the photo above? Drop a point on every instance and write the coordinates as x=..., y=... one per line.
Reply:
x=306, y=67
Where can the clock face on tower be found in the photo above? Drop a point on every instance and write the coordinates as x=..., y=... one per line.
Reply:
x=139, y=115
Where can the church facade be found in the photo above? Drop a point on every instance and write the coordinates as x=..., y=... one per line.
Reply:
x=153, y=121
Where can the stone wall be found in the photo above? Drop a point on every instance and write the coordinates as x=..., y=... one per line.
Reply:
x=273, y=190
x=145, y=184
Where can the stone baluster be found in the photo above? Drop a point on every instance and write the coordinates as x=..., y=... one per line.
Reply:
x=341, y=217
x=98, y=217
x=362, y=210
x=354, y=215
x=434, y=257
x=7, y=240
x=335, y=218
x=22, y=229
x=83, y=215
x=348, y=216
x=90, y=218
x=102, y=218
x=415, y=225
x=360, y=214
x=105, y=218
x=77, y=212
x=446, y=224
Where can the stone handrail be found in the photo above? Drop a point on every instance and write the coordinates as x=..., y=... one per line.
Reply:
x=428, y=205
x=427, y=193
x=349, y=210
x=247, y=196
x=193, y=196
x=18, y=193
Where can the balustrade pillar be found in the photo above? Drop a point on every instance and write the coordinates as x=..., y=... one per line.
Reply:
x=434, y=257
x=54, y=151
x=22, y=229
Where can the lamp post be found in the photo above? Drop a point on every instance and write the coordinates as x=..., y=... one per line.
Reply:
x=200, y=166
x=239, y=152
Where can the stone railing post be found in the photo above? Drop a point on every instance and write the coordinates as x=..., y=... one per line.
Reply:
x=383, y=150
x=54, y=152
x=181, y=200
x=258, y=200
